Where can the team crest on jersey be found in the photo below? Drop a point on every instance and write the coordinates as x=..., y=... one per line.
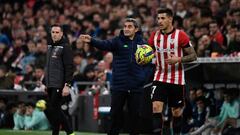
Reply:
x=171, y=41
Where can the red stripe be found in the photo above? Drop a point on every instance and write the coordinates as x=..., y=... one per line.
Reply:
x=165, y=57
x=179, y=66
x=173, y=66
x=159, y=57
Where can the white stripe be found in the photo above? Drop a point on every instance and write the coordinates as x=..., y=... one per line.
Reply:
x=176, y=53
x=156, y=54
x=169, y=70
x=162, y=57
x=155, y=44
x=183, y=73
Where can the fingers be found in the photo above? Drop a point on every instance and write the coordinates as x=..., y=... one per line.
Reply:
x=85, y=38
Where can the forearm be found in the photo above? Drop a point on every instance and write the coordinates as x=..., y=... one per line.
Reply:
x=188, y=58
x=191, y=55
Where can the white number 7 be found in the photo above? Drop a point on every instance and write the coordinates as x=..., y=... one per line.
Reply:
x=153, y=90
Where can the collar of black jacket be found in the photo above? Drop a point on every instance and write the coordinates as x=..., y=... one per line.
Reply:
x=138, y=34
x=63, y=40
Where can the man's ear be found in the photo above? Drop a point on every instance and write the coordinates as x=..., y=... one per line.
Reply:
x=136, y=30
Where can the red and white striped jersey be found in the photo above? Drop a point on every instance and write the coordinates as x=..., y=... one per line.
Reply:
x=165, y=44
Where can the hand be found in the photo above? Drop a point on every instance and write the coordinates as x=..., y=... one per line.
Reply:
x=85, y=38
x=66, y=90
x=172, y=59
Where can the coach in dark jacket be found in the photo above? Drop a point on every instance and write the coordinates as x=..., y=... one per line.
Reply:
x=58, y=77
x=128, y=77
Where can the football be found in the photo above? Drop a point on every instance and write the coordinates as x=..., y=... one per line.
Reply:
x=41, y=104
x=144, y=54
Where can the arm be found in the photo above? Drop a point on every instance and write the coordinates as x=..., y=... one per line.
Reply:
x=185, y=44
x=68, y=68
x=107, y=45
x=32, y=121
x=191, y=55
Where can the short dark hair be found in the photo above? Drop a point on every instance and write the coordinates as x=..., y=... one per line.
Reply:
x=134, y=21
x=57, y=25
x=168, y=11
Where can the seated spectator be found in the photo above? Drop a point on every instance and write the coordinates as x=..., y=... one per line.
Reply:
x=6, y=79
x=108, y=58
x=80, y=62
x=38, y=79
x=206, y=47
x=18, y=116
x=229, y=111
x=234, y=46
x=198, y=117
x=227, y=117
x=35, y=118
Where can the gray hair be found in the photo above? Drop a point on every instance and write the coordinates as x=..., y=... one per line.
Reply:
x=134, y=21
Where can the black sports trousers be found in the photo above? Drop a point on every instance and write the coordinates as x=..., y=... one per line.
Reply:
x=54, y=112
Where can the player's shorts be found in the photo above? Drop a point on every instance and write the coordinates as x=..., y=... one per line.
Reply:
x=171, y=94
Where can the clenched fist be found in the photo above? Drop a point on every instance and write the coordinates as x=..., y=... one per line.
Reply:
x=85, y=38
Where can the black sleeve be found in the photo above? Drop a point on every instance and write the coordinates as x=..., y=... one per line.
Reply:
x=68, y=63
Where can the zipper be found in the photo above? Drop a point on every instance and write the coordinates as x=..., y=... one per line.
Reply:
x=49, y=57
x=131, y=52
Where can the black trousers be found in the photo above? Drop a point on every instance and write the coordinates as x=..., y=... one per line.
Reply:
x=54, y=112
x=118, y=100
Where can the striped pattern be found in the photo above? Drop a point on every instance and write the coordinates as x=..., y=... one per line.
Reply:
x=166, y=45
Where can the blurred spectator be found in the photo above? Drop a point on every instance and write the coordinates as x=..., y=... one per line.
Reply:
x=108, y=58
x=6, y=79
x=215, y=33
x=2, y=113
x=29, y=57
x=88, y=75
x=35, y=118
x=80, y=63
x=231, y=30
x=4, y=39
x=206, y=47
x=19, y=116
x=14, y=55
x=234, y=46
x=27, y=78
x=11, y=108
x=2, y=53
x=200, y=115
x=39, y=79
x=227, y=117
x=41, y=53
x=181, y=9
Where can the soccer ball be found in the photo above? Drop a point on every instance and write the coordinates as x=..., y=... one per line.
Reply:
x=41, y=104
x=144, y=54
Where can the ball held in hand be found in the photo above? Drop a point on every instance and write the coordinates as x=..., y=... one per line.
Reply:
x=144, y=54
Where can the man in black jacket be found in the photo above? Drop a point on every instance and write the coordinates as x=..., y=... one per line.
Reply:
x=58, y=76
x=128, y=76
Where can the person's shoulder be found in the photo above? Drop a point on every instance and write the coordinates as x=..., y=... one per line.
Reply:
x=182, y=33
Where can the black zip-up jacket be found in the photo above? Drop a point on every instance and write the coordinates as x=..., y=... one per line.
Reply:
x=59, y=68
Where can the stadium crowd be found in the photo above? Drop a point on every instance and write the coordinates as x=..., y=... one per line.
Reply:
x=213, y=26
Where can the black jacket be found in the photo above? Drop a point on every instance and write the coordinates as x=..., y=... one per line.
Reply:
x=59, y=68
x=127, y=74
